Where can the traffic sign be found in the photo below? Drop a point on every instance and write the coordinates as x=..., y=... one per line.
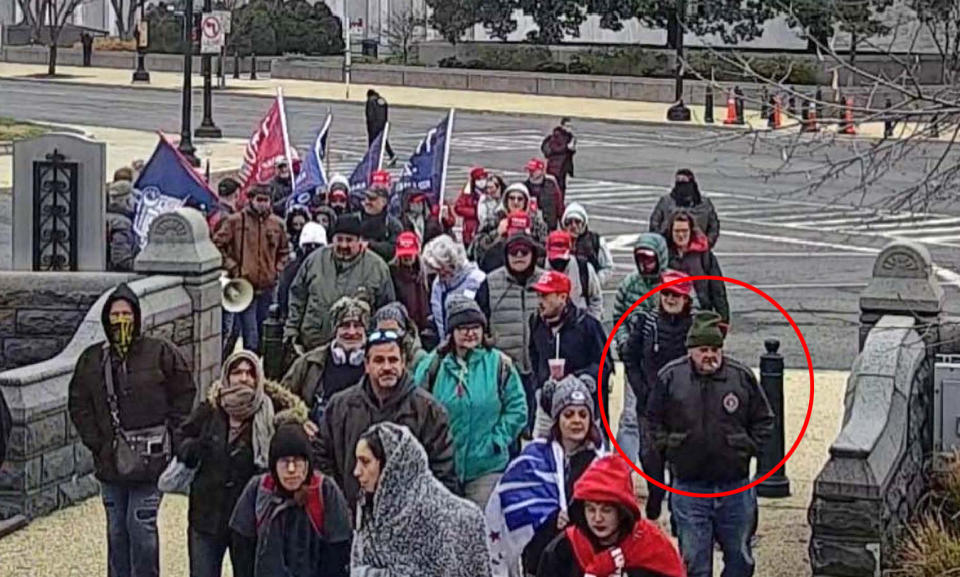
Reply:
x=212, y=33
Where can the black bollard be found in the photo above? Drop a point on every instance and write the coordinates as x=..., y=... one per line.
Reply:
x=738, y=100
x=935, y=126
x=888, y=122
x=236, y=65
x=253, y=66
x=771, y=379
x=764, y=103
x=708, y=105
x=271, y=344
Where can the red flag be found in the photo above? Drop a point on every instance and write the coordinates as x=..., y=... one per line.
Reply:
x=265, y=148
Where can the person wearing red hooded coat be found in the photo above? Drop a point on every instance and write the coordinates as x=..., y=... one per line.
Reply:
x=466, y=205
x=607, y=535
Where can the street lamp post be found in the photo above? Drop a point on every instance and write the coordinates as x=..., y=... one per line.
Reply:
x=207, y=128
x=679, y=112
x=141, y=74
x=186, y=143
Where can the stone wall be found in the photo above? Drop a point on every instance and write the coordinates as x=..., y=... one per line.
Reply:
x=120, y=59
x=40, y=312
x=47, y=467
x=863, y=497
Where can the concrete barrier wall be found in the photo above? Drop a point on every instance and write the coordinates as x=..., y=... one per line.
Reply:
x=864, y=495
x=40, y=312
x=330, y=69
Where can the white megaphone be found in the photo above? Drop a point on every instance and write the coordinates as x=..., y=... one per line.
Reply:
x=236, y=294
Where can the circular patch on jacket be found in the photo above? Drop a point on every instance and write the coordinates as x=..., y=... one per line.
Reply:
x=731, y=402
x=578, y=397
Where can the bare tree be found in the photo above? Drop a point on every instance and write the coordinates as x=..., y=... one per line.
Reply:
x=864, y=172
x=125, y=12
x=46, y=19
x=405, y=26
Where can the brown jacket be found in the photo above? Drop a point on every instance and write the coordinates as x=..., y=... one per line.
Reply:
x=254, y=247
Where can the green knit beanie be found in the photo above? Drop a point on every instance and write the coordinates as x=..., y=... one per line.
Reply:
x=705, y=330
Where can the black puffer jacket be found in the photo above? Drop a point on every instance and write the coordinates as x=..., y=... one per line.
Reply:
x=155, y=388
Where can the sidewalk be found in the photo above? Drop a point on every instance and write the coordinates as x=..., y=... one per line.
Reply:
x=125, y=146
x=505, y=103
x=73, y=541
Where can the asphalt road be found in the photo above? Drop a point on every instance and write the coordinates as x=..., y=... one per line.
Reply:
x=813, y=253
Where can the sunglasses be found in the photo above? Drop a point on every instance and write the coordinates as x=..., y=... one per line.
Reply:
x=523, y=251
x=382, y=337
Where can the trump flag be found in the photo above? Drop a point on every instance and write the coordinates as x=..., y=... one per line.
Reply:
x=426, y=171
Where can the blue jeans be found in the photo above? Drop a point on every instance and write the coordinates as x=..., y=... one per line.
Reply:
x=251, y=319
x=133, y=545
x=729, y=520
x=206, y=554
x=628, y=431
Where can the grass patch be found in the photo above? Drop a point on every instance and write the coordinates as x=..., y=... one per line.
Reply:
x=12, y=129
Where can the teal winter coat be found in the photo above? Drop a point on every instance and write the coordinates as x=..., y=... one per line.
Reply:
x=486, y=404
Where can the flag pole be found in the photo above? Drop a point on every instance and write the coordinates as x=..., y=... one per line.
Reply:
x=286, y=139
x=326, y=142
x=446, y=157
x=383, y=145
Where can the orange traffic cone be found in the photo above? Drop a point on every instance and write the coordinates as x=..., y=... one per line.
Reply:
x=731, y=110
x=848, y=127
x=775, y=118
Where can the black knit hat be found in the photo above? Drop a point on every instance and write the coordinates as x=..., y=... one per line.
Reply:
x=705, y=330
x=289, y=440
x=348, y=224
x=463, y=311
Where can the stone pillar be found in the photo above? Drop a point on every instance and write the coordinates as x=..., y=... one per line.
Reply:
x=63, y=175
x=903, y=283
x=179, y=244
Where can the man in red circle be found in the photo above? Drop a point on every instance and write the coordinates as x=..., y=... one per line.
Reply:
x=708, y=417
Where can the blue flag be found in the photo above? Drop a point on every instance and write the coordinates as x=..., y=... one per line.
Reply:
x=530, y=491
x=426, y=171
x=372, y=161
x=168, y=182
x=313, y=173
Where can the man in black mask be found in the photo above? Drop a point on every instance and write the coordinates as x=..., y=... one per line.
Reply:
x=686, y=195
x=512, y=304
x=127, y=399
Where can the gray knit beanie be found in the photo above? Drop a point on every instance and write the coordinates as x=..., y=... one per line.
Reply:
x=463, y=311
x=394, y=311
x=572, y=391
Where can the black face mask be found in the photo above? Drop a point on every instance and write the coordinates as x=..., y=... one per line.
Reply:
x=685, y=193
x=559, y=264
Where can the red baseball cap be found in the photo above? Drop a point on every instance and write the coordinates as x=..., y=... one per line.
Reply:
x=552, y=282
x=559, y=244
x=337, y=193
x=535, y=164
x=478, y=172
x=517, y=222
x=380, y=180
x=408, y=244
x=682, y=288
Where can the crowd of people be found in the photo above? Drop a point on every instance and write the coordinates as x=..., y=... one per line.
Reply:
x=439, y=412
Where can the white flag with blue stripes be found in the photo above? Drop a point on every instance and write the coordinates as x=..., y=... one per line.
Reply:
x=529, y=493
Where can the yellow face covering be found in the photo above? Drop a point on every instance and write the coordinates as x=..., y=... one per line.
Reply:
x=121, y=335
